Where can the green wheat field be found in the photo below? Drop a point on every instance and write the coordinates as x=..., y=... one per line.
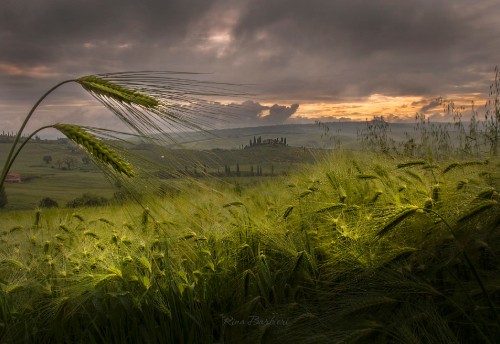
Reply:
x=361, y=235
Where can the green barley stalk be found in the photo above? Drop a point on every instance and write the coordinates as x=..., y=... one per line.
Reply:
x=96, y=148
x=102, y=87
x=12, y=154
x=475, y=211
x=288, y=211
x=395, y=220
x=451, y=167
x=149, y=103
x=411, y=163
x=83, y=138
x=435, y=193
x=464, y=164
x=366, y=176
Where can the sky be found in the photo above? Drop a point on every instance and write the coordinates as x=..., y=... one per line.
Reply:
x=302, y=60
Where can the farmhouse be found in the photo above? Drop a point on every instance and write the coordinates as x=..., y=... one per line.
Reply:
x=13, y=178
x=271, y=142
x=259, y=142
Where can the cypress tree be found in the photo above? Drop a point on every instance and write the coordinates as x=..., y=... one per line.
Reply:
x=3, y=197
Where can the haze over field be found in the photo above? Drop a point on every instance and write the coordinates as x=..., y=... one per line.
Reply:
x=304, y=60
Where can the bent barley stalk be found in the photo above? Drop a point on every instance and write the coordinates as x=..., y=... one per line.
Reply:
x=96, y=85
x=148, y=102
x=100, y=86
x=394, y=221
x=95, y=147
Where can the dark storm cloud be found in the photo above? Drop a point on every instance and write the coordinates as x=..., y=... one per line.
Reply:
x=356, y=26
x=50, y=31
x=355, y=47
x=293, y=51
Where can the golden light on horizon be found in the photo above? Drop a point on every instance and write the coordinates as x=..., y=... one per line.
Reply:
x=399, y=108
x=375, y=105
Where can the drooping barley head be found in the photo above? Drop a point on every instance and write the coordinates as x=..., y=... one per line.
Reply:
x=97, y=148
x=102, y=87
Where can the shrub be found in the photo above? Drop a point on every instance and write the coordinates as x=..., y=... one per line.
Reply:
x=48, y=202
x=87, y=200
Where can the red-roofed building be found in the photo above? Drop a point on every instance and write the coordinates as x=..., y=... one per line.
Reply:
x=13, y=178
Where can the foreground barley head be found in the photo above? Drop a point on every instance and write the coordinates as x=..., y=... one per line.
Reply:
x=155, y=105
x=157, y=102
x=101, y=152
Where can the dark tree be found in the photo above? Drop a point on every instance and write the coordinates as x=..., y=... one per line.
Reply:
x=86, y=160
x=70, y=162
x=47, y=158
x=47, y=202
x=3, y=198
x=87, y=200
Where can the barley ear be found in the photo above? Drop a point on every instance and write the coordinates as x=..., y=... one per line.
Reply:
x=105, y=88
x=411, y=163
x=100, y=151
x=450, y=167
x=394, y=221
x=477, y=210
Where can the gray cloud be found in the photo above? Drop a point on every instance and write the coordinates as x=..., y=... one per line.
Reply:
x=354, y=26
x=356, y=48
x=252, y=113
x=427, y=105
x=280, y=113
x=91, y=32
x=291, y=51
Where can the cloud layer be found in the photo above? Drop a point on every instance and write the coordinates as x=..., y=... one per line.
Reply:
x=291, y=51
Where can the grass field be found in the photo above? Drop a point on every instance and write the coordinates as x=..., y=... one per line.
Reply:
x=356, y=248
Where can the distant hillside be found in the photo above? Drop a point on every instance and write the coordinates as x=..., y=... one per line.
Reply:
x=298, y=135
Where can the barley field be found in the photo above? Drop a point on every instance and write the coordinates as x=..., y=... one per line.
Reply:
x=393, y=239
x=359, y=247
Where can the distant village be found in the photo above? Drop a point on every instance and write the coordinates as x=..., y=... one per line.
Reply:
x=257, y=141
